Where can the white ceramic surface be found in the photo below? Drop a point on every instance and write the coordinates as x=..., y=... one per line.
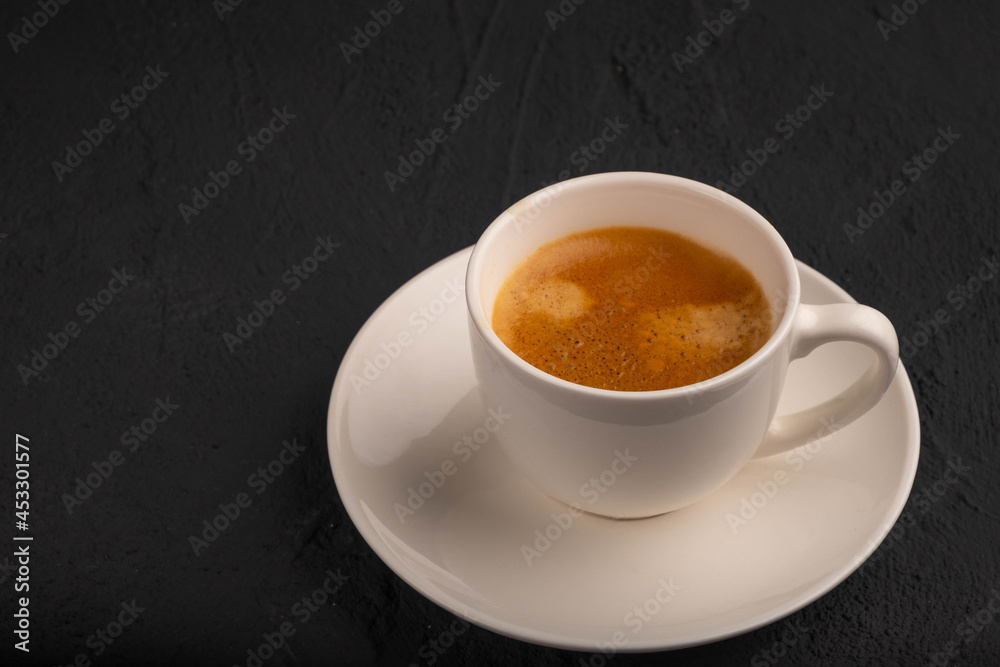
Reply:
x=405, y=406
x=635, y=454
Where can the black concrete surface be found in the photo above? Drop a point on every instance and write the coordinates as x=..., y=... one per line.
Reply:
x=886, y=80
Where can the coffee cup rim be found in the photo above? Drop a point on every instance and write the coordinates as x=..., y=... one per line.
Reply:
x=479, y=319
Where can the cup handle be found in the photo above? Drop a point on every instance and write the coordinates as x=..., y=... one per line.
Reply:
x=814, y=326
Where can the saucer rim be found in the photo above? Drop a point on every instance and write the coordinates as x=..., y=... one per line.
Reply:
x=363, y=525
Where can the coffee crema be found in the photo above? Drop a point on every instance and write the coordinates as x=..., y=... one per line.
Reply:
x=631, y=309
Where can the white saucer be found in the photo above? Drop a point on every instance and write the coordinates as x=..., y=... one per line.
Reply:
x=463, y=547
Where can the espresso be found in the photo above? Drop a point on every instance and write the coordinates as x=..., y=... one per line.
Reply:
x=631, y=309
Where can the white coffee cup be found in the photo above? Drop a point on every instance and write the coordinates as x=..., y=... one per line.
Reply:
x=638, y=454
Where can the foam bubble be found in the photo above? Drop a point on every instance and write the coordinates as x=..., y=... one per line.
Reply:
x=559, y=299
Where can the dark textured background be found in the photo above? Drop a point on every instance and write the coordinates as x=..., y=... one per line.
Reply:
x=323, y=176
